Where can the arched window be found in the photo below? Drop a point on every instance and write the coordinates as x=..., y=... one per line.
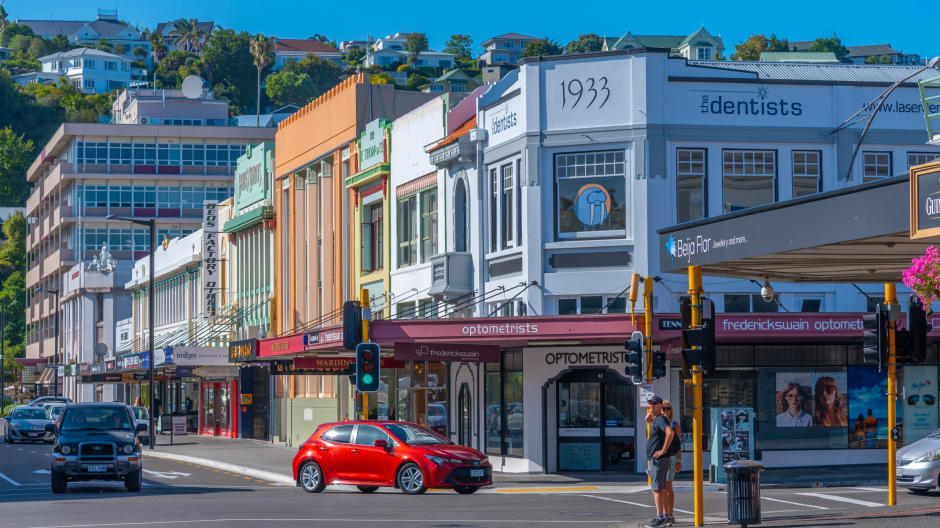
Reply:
x=461, y=217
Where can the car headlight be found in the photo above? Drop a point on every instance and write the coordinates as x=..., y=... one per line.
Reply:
x=128, y=449
x=65, y=450
x=929, y=456
x=15, y=425
x=440, y=460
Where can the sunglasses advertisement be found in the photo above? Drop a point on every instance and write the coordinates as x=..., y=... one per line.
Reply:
x=920, y=402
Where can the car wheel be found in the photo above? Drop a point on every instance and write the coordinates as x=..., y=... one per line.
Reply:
x=919, y=491
x=59, y=482
x=411, y=480
x=466, y=490
x=132, y=481
x=311, y=478
x=367, y=489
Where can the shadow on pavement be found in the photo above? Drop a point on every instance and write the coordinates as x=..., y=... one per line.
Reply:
x=93, y=491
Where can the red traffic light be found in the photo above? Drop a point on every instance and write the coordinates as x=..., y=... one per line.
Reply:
x=367, y=367
x=367, y=355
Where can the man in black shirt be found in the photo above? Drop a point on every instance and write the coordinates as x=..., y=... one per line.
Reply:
x=661, y=438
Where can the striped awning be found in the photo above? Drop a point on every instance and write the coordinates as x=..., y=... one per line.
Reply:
x=416, y=185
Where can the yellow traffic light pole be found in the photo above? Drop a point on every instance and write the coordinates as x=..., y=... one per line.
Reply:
x=891, y=297
x=695, y=290
x=364, y=303
x=648, y=330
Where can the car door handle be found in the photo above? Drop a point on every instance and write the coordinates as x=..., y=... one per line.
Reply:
x=324, y=449
x=355, y=450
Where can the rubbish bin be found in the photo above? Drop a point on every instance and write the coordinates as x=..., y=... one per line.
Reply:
x=743, y=492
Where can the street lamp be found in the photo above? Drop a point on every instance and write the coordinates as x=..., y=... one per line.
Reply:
x=55, y=354
x=152, y=224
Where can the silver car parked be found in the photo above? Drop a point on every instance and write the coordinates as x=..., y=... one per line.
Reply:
x=918, y=465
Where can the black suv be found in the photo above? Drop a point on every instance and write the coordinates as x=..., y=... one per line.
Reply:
x=96, y=441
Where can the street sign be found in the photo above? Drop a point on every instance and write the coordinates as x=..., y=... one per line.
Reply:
x=179, y=425
x=646, y=392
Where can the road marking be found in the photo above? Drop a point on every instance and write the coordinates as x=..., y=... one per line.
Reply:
x=347, y=520
x=167, y=474
x=796, y=503
x=539, y=490
x=635, y=503
x=842, y=499
x=8, y=479
x=42, y=471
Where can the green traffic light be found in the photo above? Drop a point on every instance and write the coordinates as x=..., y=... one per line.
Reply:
x=367, y=379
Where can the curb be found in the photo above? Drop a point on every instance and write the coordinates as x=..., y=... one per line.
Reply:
x=222, y=466
x=836, y=484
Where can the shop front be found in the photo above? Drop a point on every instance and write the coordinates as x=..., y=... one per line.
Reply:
x=254, y=399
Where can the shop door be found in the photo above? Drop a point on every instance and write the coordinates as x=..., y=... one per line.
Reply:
x=464, y=421
x=579, y=426
x=261, y=385
x=619, y=427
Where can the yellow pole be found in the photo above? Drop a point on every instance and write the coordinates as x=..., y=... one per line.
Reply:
x=364, y=301
x=891, y=297
x=695, y=290
x=648, y=330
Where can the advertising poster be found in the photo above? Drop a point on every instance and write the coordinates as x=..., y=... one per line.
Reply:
x=794, y=399
x=920, y=402
x=868, y=408
x=830, y=399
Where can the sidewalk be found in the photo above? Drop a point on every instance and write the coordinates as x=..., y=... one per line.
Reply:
x=273, y=462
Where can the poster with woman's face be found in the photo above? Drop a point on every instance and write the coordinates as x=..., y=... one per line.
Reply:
x=830, y=399
x=794, y=399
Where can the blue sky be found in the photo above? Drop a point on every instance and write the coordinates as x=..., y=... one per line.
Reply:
x=859, y=22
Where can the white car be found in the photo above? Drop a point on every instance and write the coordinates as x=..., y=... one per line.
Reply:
x=918, y=466
x=53, y=410
x=142, y=416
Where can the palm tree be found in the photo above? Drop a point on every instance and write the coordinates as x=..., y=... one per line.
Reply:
x=189, y=35
x=262, y=48
x=139, y=53
x=317, y=36
x=204, y=67
x=3, y=24
x=159, y=51
x=104, y=44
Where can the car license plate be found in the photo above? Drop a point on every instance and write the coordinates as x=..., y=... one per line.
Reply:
x=476, y=473
x=97, y=469
x=900, y=472
x=33, y=434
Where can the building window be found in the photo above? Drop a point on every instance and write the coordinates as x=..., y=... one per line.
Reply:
x=461, y=217
x=591, y=191
x=508, y=45
x=168, y=154
x=591, y=305
x=742, y=303
x=504, y=411
x=194, y=154
x=748, y=178
x=437, y=88
x=690, y=184
x=458, y=87
x=427, y=309
x=428, y=224
x=145, y=154
x=877, y=165
x=806, y=173
x=407, y=231
x=115, y=85
x=93, y=153
x=372, y=238
x=920, y=158
x=216, y=155
x=110, y=65
x=95, y=238
x=90, y=84
x=120, y=239
x=405, y=310
x=499, y=58
x=494, y=209
x=810, y=305
x=120, y=196
x=168, y=197
x=703, y=53
x=193, y=197
x=507, y=206
x=219, y=193
x=146, y=196
x=120, y=153
x=96, y=196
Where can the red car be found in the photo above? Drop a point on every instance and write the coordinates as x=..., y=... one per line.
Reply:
x=384, y=453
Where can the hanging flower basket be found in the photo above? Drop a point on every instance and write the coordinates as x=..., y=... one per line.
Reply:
x=924, y=276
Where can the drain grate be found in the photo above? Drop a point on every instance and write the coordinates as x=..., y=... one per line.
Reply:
x=583, y=514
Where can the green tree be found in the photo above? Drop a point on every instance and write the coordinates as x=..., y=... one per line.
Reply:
x=16, y=153
x=39, y=47
x=750, y=49
x=60, y=43
x=14, y=29
x=460, y=45
x=168, y=71
x=323, y=74
x=20, y=43
x=3, y=26
x=585, y=44
x=139, y=53
x=229, y=56
x=13, y=291
x=382, y=78
x=830, y=44
x=414, y=44
x=321, y=38
x=542, y=47
x=416, y=81
x=287, y=87
x=104, y=44
x=354, y=56
x=120, y=49
x=262, y=49
x=885, y=60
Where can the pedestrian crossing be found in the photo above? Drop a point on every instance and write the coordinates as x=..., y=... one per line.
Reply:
x=840, y=498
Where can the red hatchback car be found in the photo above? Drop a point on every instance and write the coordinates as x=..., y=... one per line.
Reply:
x=384, y=453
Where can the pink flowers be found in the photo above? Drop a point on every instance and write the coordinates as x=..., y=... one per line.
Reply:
x=924, y=276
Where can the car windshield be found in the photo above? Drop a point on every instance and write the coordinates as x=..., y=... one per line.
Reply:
x=30, y=414
x=416, y=435
x=54, y=411
x=140, y=413
x=96, y=419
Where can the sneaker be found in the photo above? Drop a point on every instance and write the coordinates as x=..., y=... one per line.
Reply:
x=655, y=523
x=669, y=521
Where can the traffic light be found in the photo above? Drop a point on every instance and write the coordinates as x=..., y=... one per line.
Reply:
x=875, y=337
x=352, y=325
x=634, y=357
x=368, y=367
x=917, y=330
x=703, y=337
x=659, y=364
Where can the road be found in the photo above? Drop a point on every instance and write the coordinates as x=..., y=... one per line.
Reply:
x=191, y=495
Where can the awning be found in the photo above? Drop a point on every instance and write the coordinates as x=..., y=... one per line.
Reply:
x=248, y=220
x=856, y=234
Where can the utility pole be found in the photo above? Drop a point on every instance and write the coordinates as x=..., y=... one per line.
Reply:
x=648, y=330
x=695, y=290
x=891, y=298
x=366, y=315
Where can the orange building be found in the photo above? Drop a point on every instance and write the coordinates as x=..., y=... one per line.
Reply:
x=315, y=153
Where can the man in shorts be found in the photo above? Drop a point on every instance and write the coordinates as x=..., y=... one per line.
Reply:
x=659, y=457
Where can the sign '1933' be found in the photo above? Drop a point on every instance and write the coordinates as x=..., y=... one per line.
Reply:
x=576, y=90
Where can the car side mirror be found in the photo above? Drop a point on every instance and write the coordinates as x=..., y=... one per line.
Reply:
x=142, y=428
x=50, y=428
x=381, y=443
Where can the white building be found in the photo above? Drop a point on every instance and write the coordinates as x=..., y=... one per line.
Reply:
x=89, y=70
x=504, y=49
x=296, y=49
x=106, y=26
x=390, y=50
